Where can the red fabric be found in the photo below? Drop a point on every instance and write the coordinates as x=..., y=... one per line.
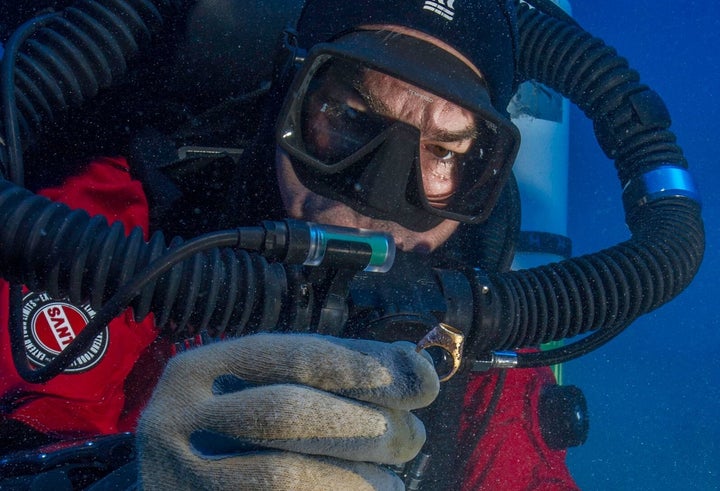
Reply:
x=511, y=454
x=107, y=397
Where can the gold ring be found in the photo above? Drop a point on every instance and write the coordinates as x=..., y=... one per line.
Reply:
x=449, y=339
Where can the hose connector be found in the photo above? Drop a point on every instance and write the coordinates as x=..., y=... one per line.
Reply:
x=312, y=244
x=666, y=181
x=496, y=359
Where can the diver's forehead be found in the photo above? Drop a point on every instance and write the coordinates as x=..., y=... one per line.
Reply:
x=408, y=103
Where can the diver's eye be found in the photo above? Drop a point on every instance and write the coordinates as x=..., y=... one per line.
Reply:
x=440, y=153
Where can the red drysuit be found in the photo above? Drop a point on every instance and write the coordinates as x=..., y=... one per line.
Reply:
x=108, y=388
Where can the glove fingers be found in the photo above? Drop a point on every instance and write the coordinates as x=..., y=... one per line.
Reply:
x=315, y=395
x=274, y=471
x=306, y=420
x=390, y=375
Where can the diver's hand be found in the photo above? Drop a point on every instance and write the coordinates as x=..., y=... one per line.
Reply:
x=285, y=412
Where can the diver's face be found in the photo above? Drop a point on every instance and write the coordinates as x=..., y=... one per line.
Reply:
x=446, y=131
x=340, y=114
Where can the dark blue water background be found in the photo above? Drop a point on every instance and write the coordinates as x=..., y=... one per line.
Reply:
x=653, y=392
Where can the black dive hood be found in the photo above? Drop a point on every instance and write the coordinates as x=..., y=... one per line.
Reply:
x=47, y=246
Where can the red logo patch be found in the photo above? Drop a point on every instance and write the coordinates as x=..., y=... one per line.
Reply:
x=51, y=325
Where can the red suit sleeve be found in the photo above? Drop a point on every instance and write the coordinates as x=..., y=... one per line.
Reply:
x=109, y=384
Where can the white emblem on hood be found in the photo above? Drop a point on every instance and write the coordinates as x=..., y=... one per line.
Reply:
x=444, y=8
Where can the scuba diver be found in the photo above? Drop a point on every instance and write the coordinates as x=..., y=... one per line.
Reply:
x=382, y=116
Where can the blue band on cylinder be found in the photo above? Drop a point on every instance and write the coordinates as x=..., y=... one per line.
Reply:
x=668, y=181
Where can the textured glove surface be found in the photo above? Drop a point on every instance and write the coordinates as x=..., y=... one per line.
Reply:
x=285, y=412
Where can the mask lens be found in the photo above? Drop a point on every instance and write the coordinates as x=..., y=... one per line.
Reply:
x=457, y=173
x=336, y=120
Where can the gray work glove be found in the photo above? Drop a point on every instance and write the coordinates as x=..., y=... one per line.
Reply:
x=285, y=412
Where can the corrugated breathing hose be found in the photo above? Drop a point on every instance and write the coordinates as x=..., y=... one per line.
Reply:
x=607, y=290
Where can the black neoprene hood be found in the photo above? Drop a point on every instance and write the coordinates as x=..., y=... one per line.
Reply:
x=484, y=31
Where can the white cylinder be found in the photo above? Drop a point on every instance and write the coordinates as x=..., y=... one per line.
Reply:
x=541, y=167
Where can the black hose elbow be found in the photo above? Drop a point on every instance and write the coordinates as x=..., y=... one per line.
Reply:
x=602, y=292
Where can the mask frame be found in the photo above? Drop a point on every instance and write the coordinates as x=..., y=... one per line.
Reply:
x=425, y=66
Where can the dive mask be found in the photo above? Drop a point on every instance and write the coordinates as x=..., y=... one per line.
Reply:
x=397, y=129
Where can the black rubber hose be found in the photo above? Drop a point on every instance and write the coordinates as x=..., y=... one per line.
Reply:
x=57, y=62
x=116, y=304
x=47, y=246
x=606, y=291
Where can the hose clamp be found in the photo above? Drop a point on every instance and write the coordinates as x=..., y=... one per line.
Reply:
x=496, y=359
x=667, y=181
